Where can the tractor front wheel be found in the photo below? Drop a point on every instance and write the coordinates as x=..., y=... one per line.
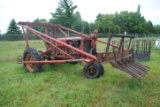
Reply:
x=31, y=54
x=92, y=70
x=102, y=70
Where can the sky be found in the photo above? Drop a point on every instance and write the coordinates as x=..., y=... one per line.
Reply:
x=29, y=10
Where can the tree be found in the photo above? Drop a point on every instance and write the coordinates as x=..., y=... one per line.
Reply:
x=157, y=29
x=130, y=22
x=104, y=23
x=13, y=28
x=38, y=28
x=86, y=28
x=78, y=23
x=92, y=27
x=101, y=23
x=13, y=31
x=64, y=13
x=150, y=27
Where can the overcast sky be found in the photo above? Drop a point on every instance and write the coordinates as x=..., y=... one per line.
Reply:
x=28, y=10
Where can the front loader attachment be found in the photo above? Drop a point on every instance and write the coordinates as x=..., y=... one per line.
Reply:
x=121, y=56
x=128, y=65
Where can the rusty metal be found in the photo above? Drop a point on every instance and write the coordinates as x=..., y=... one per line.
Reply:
x=123, y=58
x=81, y=48
x=51, y=62
x=129, y=66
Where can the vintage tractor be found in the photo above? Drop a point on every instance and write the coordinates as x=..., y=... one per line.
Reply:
x=64, y=45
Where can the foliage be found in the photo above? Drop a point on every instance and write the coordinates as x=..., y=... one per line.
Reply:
x=104, y=23
x=124, y=21
x=13, y=31
x=38, y=28
x=130, y=22
x=81, y=25
x=86, y=27
x=157, y=29
x=78, y=23
x=13, y=28
x=64, y=13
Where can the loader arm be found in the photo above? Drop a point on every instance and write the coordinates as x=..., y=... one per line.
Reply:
x=80, y=48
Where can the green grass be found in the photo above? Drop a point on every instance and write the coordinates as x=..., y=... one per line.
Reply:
x=9, y=51
x=65, y=85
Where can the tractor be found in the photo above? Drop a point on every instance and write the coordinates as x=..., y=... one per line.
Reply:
x=64, y=45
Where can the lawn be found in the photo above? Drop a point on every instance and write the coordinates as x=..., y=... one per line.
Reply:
x=65, y=85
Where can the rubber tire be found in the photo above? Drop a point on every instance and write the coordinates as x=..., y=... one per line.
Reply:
x=97, y=70
x=34, y=55
x=92, y=51
x=102, y=69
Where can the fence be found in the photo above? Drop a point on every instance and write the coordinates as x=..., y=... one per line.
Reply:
x=16, y=37
x=135, y=35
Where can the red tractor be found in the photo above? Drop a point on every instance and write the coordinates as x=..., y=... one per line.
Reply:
x=64, y=45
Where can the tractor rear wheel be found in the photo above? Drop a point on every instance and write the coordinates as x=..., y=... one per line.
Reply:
x=92, y=70
x=31, y=54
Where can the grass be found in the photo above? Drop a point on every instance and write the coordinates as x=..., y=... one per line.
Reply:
x=9, y=51
x=65, y=85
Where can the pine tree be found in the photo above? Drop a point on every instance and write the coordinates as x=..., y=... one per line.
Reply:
x=13, y=31
x=13, y=28
x=64, y=13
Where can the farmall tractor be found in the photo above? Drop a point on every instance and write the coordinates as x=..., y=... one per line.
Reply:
x=64, y=45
